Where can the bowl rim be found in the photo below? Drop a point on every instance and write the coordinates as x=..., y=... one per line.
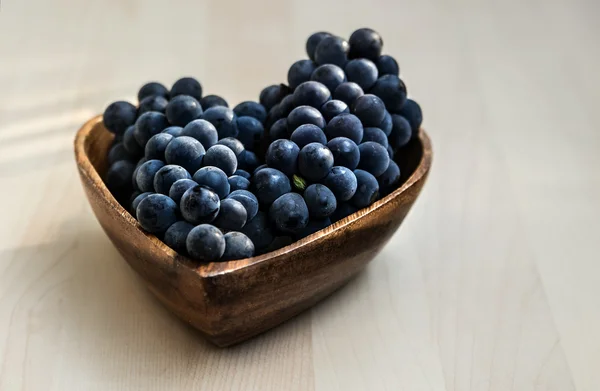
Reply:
x=211, y=269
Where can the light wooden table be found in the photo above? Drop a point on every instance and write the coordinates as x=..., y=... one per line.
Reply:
x=492, y=283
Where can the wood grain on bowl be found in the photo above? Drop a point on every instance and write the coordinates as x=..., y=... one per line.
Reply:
x=232, y=301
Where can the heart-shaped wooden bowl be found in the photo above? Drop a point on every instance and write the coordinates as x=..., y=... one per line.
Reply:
x=233, y=301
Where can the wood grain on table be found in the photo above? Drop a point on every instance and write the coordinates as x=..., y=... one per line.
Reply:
x=490, y=284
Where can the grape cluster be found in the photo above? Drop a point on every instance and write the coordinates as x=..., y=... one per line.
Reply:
x=220, y=184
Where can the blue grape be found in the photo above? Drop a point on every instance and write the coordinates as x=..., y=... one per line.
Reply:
x=289, y=213
x=202, y=131
x=182, y=110
x=270, y=184
x=376, y=135
x=283, y=156
x=186, y=152
x=247, y=199
x=237, y=246
x=149, y=124
x=248, y=161
x=390, y=179
x=174, y=131
x=313, y=41
x=234, y=144
x=242, y=173
x=413, y=114
x=222, y=157
x=365, y=43
x=187, y=86
x=176, y=236
x=205, y=243
x=145, y=174
x=223, y=119
x=215, y=179
x=299, y=72
x=272, y=95
x=232, y=215
x=369, y=109
x=311, y=93
x=136, y=201
x=118, y=116
x=153, y=89
x=118, y=177
x=279, y=130
x=320, y=201
x=363, y=72
x=259, y=231
x=332, y=50
x=167, y=176
x=237, y=182
x=386, y=124
x=179, y=187
x=119, y=152
x=367, y=190
x=373, y=158
x=156, y=213
x=153, y=103
x=348, y=93
x=315, y=161
x=305, y=115
x=250, y=132
x=199, y=204
x=387, y=65
x=332, y=108
x=345, y=125
x=401, y=132
x=156, y=146
x=308, y=133
x=345, y=152
x=211, y=101
x=392, y=92
x=330, y=75
x=342, y=182
x=130, y=143
x=251, y=109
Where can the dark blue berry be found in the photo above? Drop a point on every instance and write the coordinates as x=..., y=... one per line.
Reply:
x=174, y=131
x=211, y=101
x=390, y=152
x=136, y=201
x=392, y=92
x=248, y=161
x=215, y=179
x=306, y=134
x=315, y=161
x=247, y=199
x=367, y=190
x=257, y=169
x=222, y=157
x=299, y=72
x=153, y=89
x=176, y=235
x=332, y=50
x=156, y=213
x=148, y=125
x=234, y=144
x=118, y=177
x=130, y=143
x=187, y=86
x=279, y=130
x=283, y=155
x=179, y=187
x=320, y=201
x=344, y=209
x=345, y=152
x=202, y=131
x=232, y=215
x=413, y=114
x=285, y=107
x=362, y=72
x=153, y=103
x=311, y=93
x=313, y=41
x=342, y=182
x=182, y=110
x=118, y=116
x=348, y=93
x=305, y=115
x=270, y=184
x=345, y=125
x=186, y=152
x=237, y=246
x=332, y=108
x=401, y=132
x=376, y=135
x=223, y=119
x=365, y=43
x=118, y=152
x=259, y=231
x=167, y=176
x=205, y=243
x=386, y=124
x=331, y=76
x=199, y=204
x=289, y=213
x=156, y=146
x=237, y=182
x=373, y=158
x=251, y=132
x=242, y=173
x=272, y=95
x=314, y=225
x=387, y=65
x=369, y=109
x=390, y=179
x=251, y=109
x=145, y=174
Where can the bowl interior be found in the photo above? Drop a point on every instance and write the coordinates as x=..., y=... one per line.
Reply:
x=413, y=160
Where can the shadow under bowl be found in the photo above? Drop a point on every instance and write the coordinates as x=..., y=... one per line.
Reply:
x=231, y=301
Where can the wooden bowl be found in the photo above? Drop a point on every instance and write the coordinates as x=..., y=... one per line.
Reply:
x=235, y=300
